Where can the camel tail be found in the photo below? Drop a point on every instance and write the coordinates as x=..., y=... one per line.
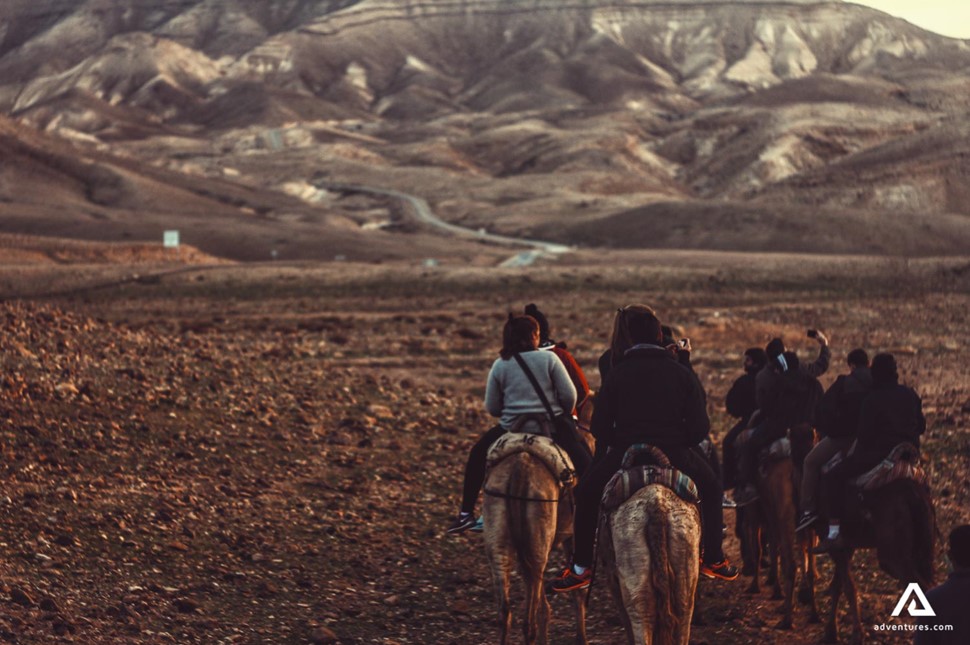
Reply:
x=662, y=579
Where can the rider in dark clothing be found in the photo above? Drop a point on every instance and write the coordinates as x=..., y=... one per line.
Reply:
x=891, y=414
x=681, y=350
x=648, y=397
x=741, y=404
x=778, y=409
x=838, y=425
x=796, y=394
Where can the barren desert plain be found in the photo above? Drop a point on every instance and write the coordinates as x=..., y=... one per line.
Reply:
x=200, y=452
x=258, y=438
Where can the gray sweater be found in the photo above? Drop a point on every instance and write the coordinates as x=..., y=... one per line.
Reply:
x=509, y=394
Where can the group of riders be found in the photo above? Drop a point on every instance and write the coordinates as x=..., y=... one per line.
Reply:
x=650, y=394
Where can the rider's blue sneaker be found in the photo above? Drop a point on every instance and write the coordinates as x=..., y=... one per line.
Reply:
x=478, y=526
x=462, y=523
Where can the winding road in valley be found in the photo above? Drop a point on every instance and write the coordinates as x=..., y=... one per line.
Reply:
x=422, y=211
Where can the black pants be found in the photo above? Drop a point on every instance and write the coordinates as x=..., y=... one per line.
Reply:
x=590, y=489
x=761, y=437
x=477, y=458
x=710, y=456
x=729, y=473
x=835, y=483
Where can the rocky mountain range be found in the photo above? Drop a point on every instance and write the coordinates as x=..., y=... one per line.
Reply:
x=746, y=125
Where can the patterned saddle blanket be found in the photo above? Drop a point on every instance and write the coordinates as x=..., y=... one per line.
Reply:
x=778, y=449
x=644, y=465
x=541, y=447
x=903, y=462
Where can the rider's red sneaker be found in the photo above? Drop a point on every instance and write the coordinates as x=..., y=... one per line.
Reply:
x=569, y=580
x=722, y=570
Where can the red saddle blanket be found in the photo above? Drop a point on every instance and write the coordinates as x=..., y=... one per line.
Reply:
x=902, y=463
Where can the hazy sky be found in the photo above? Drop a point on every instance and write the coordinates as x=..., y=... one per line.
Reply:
x=947, y=17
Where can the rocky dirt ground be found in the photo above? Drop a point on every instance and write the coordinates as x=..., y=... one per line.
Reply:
x=255, y=455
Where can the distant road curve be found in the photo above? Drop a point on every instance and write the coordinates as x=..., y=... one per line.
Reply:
x=421, y=210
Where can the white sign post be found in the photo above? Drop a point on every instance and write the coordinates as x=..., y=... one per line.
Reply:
x=170, y=239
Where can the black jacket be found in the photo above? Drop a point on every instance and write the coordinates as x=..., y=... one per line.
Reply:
x=650, y=397
x=797, y=394
x=740, y=401
x=840, y=407
x=891, y=414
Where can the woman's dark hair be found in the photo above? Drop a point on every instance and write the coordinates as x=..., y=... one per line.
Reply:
x=519, y=335
x=544, y=332
x=633, y=324
x=884, y=370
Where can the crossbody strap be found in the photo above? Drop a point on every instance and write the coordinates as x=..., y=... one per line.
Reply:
x=535, y=385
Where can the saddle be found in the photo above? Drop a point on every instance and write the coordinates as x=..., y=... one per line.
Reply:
x=776, y=451
x=902, y=462
x=779, y=449
x=643, y=465
x=539, y=446
x=533, y=424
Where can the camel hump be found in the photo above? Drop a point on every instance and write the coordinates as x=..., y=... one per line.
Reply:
x=541, y=447
x=902, y=462
x=644, y=454
x=627, y=481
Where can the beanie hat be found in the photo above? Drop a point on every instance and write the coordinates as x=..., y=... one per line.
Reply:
x=532, y=310
x=774, y=348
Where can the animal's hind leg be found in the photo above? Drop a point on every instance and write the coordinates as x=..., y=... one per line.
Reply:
x=536, y=623
x=500, y=576
x=850, y=592
x=773, y=578
x=840, y=560
x=752, y=534
x=806, y=591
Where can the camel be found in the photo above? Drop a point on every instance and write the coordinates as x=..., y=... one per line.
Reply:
x=650, y=557
x=776, y=514
x=901, y=531
x=528, y=511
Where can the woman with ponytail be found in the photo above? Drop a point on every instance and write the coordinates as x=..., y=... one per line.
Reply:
x=510, y=395
x=649, y=397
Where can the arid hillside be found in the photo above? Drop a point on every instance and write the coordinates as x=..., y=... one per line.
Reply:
x=522, y=118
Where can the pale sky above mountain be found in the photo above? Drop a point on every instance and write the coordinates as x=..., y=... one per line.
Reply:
x=946, y=17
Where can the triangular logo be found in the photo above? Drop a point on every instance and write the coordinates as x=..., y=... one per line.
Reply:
x=914, y=590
